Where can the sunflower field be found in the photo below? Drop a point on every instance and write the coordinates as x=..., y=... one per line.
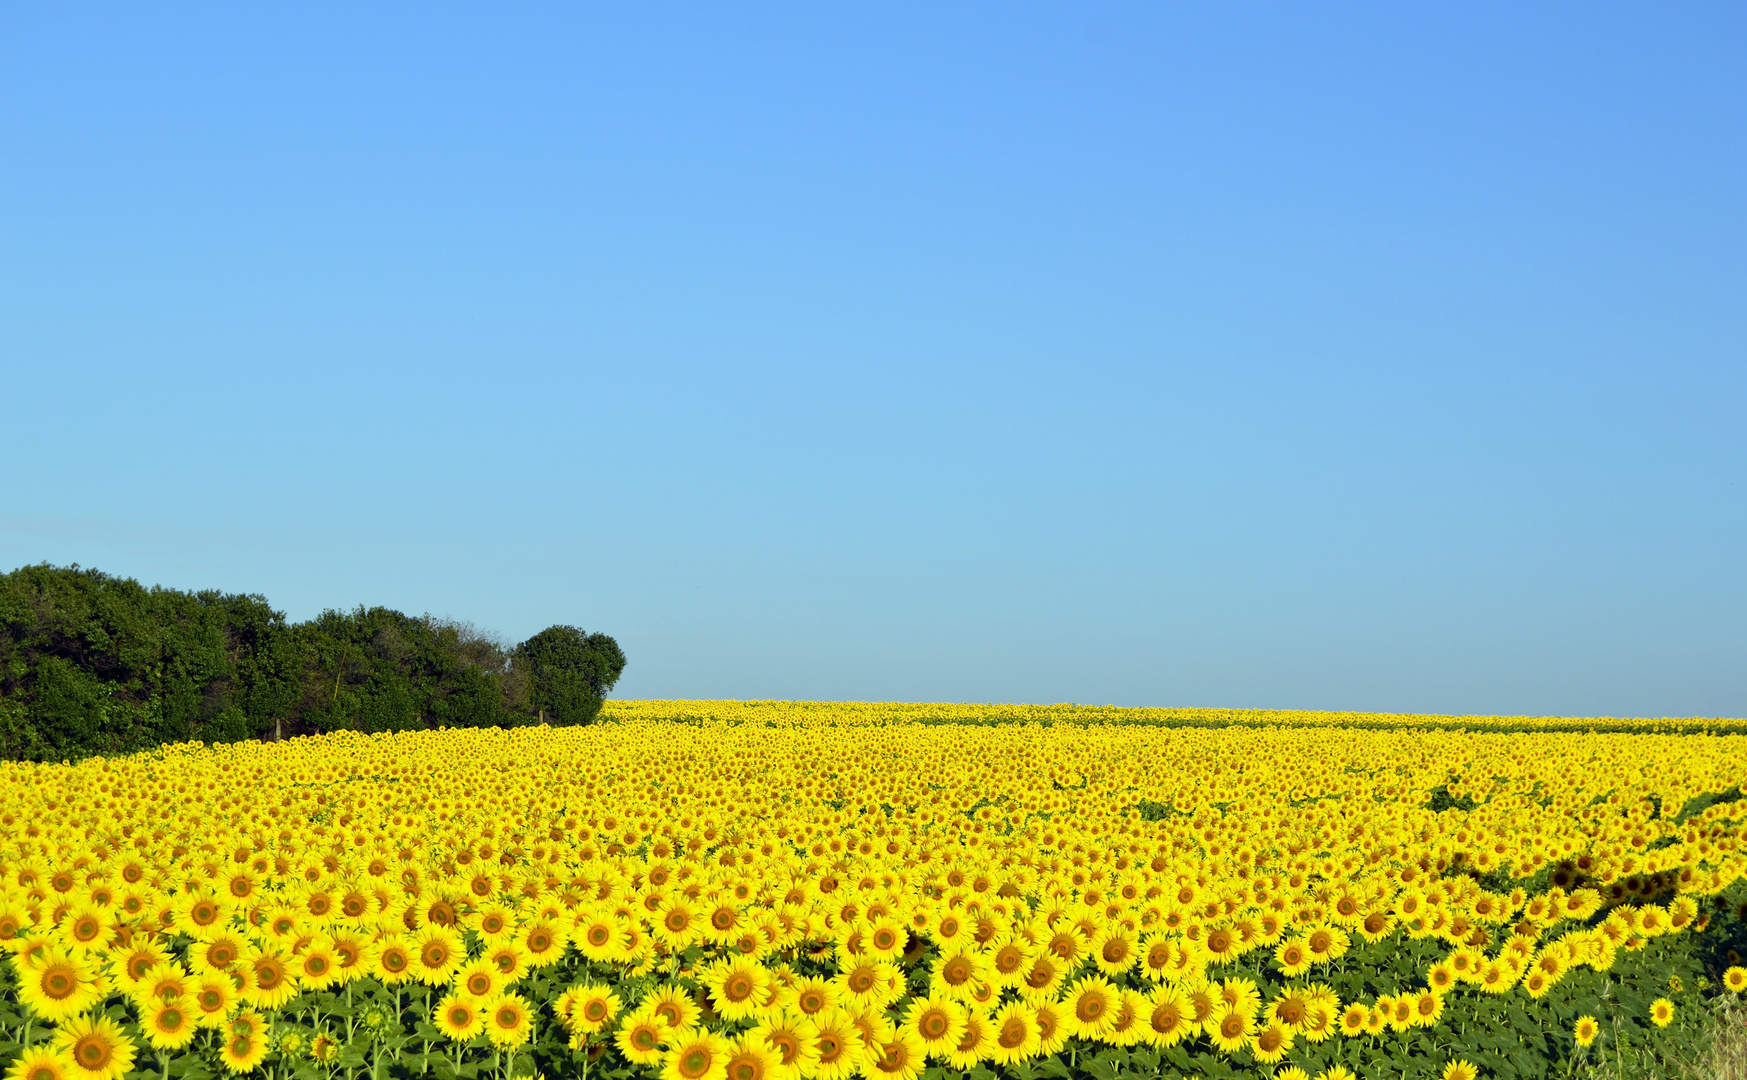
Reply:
x=783, y=891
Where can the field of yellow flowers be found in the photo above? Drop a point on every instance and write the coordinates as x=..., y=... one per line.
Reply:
x=782, y=891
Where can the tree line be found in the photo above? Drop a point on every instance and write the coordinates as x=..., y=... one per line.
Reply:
x=91, y=664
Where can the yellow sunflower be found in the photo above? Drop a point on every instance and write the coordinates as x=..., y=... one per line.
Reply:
x=96, y=1047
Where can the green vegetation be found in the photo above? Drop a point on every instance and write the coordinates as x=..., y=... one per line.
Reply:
x=96, y=664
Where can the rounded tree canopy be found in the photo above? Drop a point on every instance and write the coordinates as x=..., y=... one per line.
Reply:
x=571, y=671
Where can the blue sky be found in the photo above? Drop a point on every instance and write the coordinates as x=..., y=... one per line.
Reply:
x=1385, y=357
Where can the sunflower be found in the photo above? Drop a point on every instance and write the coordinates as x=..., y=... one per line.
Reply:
x=792, y=1040
x=437, y=953
x=316, y=967
x=243, y=1053
x=1336, y=1072
x=1427, y=1008
x=493, y=922
x=1354, y=1020
x=1015, y=1036
x=1585, y=1030
x=1052, y=1026
x=351, y=954
x=131, y=964
x=272, y=982
x=601, y=938
x=1325, y=943
x=593, y=1007
x=161, y=984
x=696, y=1054
x=958, y=970
x=1662, y=1012
x=1044, y=977
x=216, y=952
x=1231, y=1029
x=739, y=988
x=897, y=1055
x=1157, y=953
x=1271, y=1043
x=391, y=960
x=96, y=1047
x=171, y=1024
x=508, y=1021
x=57, y=984
x=839, y=1047
x=678, y=923
x=200, y=913
x=283, y=922
x=42, y=1063
x=1459, y=1070
x=672, y=1006
x=937, y=1022
x=750, y=1058
x=1293, y=957
x=1090, y=1006
x=975, y=1041
x=459, y=1017
x=641, y=1036
x=214, y=996
x=1735, y=978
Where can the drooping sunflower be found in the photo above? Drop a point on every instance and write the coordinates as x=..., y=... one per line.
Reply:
x=96, y=1046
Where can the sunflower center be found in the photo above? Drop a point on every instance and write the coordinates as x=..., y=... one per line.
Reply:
x=93, y=1052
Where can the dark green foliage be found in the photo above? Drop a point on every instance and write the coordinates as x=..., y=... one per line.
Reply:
x=570, y=671
x=95, y=664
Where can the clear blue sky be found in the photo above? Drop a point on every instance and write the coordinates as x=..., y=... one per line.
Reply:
x=1383, y=357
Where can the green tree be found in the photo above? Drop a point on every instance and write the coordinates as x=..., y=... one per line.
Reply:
x=570, y=672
